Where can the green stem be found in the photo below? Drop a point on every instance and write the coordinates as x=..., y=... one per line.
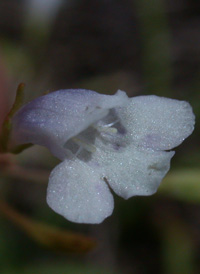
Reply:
x=7, y=124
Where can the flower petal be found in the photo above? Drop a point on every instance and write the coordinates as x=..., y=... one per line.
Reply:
x=134, y=171
x=77, y=192
x=157, y=122
x=53, y=119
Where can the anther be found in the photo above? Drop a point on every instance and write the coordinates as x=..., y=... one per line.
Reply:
x=105, y=129
x=84, y=145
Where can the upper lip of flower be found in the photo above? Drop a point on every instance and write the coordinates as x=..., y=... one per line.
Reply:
x=53, y=119
x=103, y=140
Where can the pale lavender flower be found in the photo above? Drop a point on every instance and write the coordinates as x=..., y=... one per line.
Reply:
x=103, y=142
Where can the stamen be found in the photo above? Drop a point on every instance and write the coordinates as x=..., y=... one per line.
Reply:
x=105, y=129
x=78, y=151
x=84, y=145
x=112, y=124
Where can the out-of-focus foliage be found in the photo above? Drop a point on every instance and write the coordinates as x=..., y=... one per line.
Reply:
x=60, y=268
x=183, y=185
x=46, y=235
x=140, y=46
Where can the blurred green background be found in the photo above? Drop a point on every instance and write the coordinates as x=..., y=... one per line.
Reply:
x=142, y=47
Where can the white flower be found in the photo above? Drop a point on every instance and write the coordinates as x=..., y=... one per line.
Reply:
x=103, y=141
